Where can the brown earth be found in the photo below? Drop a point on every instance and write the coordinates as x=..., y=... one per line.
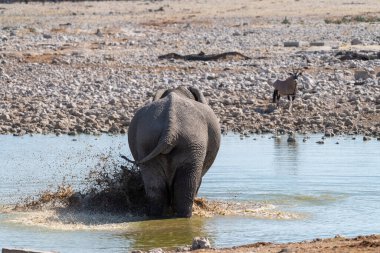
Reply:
x=363, y=244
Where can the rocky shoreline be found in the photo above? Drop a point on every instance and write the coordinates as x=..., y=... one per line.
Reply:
x=85, y=70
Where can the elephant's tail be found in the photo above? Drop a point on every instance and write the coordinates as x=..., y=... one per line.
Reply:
x=163, y=147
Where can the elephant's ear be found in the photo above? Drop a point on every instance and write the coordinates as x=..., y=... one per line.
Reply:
x=159, y=94
x=198, y=95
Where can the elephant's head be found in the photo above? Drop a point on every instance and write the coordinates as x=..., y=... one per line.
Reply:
x=189, y=92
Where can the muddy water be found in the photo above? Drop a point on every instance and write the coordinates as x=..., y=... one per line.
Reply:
x=274, y=191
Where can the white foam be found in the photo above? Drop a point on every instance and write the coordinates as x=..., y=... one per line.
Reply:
x=70, y=221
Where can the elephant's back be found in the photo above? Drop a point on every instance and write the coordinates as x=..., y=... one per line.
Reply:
x=198, y=126
x=181, y=122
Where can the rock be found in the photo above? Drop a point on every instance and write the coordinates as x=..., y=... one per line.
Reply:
x=114, y=129
x=287, y=250
x=348, y=122
x=329, y=133
x=200, y=243
x=362, y=75
x=295, y=43
x=183, y=249
x=317, y=43
x=5, y=117
x=99, y=33
x=320, y=142
x=157, y=250
x=291, y=138
x=366, y=138
x=46, y=36
x=20, y=133
x=237, y=112
x=227, y=101
x=356, y=42
x=307, y=82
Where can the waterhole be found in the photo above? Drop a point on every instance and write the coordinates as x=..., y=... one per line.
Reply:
x=259, y=189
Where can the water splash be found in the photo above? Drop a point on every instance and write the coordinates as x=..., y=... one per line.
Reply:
x=119, y=190
x=113, y=197
x=207, y=208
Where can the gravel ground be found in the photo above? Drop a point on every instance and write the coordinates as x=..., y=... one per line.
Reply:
x=86, y=67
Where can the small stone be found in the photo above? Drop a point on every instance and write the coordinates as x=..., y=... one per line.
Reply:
x=366, y=138
x=291, y=138
x=99, y=33
x=287, y=250
x=112, y=101
x=362, y=75
x=320, y=142
x=295, y=43
x=46, y=36
x=157, y=250
x=183, y=249
x=356, y=41
x=5, y=117
x=200, y=243
x=348, y=122
x=227, y=101
x=317, y=43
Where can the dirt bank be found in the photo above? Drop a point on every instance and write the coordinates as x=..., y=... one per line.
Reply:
x=364, y=244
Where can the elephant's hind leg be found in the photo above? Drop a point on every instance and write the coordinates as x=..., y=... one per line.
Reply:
x=186, y=184
x=156, y=191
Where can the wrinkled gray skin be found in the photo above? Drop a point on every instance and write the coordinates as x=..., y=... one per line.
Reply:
x=174, y=140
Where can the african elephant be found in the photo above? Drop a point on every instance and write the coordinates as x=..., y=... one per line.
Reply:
x=174, y=140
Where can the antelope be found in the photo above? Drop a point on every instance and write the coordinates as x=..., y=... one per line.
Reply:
x=287, y=88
